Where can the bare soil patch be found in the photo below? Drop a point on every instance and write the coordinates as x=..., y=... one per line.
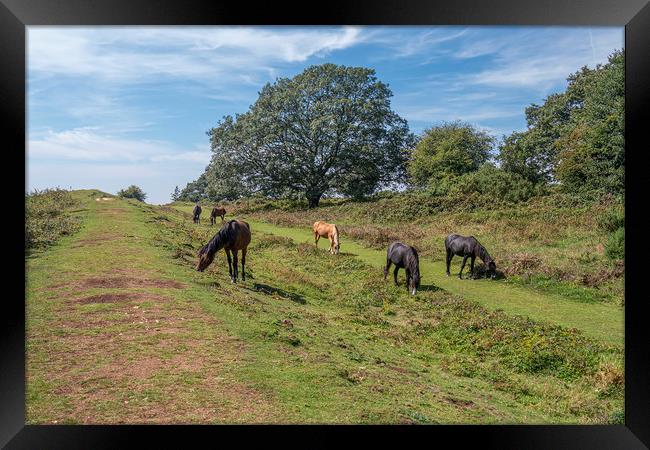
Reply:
x=98, y=239
x=140, y=368
x=129, y=282
x=117, y=298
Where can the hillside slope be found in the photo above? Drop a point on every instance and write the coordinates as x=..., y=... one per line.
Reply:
x=122, y=329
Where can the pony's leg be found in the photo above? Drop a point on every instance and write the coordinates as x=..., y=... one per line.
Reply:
x=331, y=239
x=235, y=269
x=471, y=267
x=243, y=264
x=460, y=274
x=395, y=275
x=408, y=279
x=388, y=262
x=450, y=255
x=316, y=238
x=229, y=263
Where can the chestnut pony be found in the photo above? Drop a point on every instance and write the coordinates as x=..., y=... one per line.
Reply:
x=216, y=211
x=233, y=236
x=328, y=230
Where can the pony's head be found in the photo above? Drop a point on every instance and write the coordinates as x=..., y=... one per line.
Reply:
x=205, y=258
x=414, y=266
x=492, y=268
x=415, y=282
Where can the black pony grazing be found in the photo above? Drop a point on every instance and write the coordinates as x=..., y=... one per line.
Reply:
x=233, y=236
x=196, y=214
x=404, y=257
x=468, y=247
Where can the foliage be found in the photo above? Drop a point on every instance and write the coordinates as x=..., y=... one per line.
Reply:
x=576, y=137
x=330, y=129
x=612, y=219
x=448, y=150
x=615, y=247
x=592, y=155
x=47, y=217
x=195, y=190
x=132, y=191
x=491, y=182
x=176, y=194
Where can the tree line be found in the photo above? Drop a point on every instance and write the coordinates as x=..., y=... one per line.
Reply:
x=330, y=131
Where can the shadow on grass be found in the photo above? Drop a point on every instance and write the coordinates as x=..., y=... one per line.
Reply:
x=480, y=273
x=271, y=290
x=429, y=288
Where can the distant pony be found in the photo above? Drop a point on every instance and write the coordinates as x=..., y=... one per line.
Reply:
x=468, y=247
x=404, y=257
x=233, y=236
x=196, y=214
x=216, y=211
x=328, y=230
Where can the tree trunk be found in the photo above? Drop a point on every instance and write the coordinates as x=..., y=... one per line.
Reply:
x=313, y=200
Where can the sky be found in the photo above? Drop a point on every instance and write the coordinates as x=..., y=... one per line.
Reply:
x=108, y=107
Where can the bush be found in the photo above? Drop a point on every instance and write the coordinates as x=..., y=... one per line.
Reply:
x=495, y=184
x=615, y=247
x=132, y=191
x=612, y=219
x=47, y=217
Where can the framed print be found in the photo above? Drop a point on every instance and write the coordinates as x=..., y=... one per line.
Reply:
x=340, y=221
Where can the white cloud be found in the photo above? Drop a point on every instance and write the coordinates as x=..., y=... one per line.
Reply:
x=541, y=60
x=127, y=54
x=92, y=144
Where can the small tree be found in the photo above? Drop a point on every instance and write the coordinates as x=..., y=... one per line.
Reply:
x=133, y=191
x=176, y=194
x=448, y=150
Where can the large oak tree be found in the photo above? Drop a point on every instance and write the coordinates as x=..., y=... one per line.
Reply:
x=330, y=129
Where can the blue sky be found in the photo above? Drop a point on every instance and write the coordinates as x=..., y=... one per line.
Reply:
x=114, y=106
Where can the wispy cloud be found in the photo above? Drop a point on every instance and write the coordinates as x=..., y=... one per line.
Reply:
x=92, y=144
x=544, y=59
x=128, y=54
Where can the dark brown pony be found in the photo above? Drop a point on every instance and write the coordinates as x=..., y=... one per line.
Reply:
x=404, y=257
x=216, y=211
x=468, y=247
x=196, y=214
x=233, y=236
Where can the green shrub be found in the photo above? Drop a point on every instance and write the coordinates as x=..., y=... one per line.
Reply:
x=132, y=191
x=612, y=219
x=492, y=183
x=47, y=217
x=615, y=247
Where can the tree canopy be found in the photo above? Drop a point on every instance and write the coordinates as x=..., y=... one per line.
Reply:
x=330, y=129
x=576, y=137
x=448, y=150
x=132, y=191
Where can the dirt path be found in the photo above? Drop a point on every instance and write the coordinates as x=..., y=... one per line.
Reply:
x=111, y=338
x=597, y=320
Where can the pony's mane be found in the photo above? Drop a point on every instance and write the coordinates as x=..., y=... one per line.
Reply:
x=223, y=236
x=483, y=253
x=336, y=235
x=412, y=260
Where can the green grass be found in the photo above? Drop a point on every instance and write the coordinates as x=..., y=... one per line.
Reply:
x=599, y=320
x=307, y=338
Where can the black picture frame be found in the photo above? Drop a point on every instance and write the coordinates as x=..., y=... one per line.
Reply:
x=16, y=15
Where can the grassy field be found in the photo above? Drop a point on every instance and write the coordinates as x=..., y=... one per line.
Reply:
x=122, y=329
